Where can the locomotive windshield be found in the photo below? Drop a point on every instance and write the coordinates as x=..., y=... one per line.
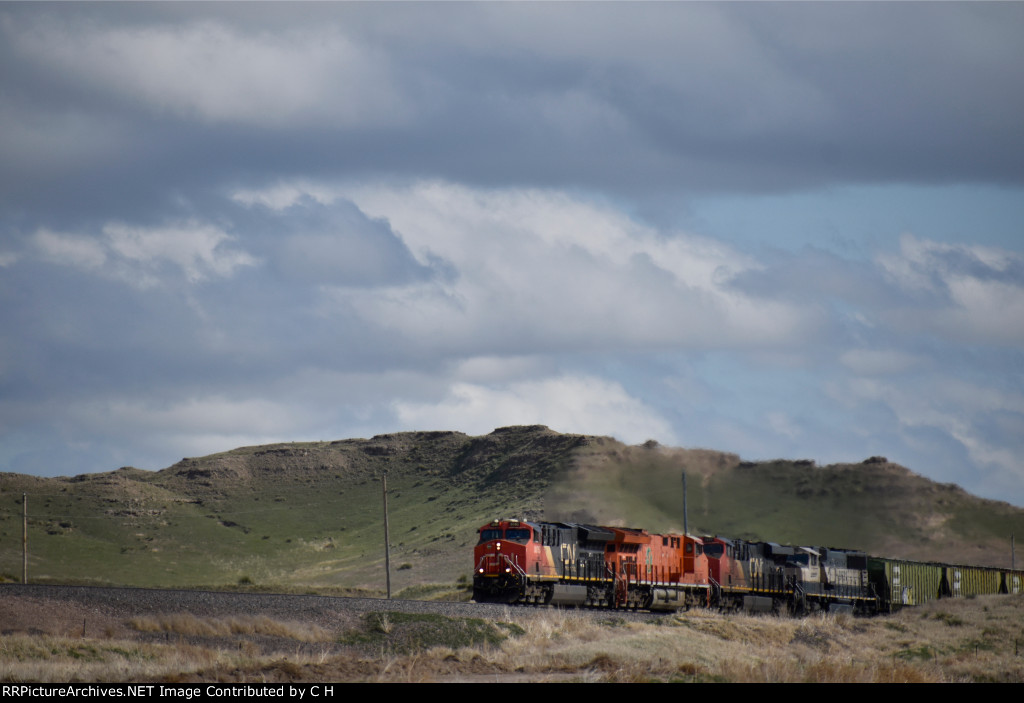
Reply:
x=489, y=534
x=520, y=535
x=714, y=550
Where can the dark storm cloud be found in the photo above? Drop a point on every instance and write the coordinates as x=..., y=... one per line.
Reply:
x=615, y=96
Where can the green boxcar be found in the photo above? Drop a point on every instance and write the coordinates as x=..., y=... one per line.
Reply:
x=964, y=581
x=898, y=582
x=1011, y=581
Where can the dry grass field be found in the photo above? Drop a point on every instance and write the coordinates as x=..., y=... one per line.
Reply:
x=974, y=640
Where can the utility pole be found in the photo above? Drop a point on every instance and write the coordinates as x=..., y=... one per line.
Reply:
x=24, y=537
x=686, y=529
x=387, y=538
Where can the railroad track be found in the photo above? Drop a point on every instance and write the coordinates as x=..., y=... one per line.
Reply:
x=101, y=604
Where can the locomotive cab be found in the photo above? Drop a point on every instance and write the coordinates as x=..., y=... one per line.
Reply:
x=502, y=547
x=506, y=555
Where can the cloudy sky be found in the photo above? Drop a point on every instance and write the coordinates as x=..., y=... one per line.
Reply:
x=781, y=230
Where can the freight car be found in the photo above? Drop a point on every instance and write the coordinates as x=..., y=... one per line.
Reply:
x=615, y=567
x=899, y=582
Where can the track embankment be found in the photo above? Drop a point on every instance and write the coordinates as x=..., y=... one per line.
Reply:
x=68, y=609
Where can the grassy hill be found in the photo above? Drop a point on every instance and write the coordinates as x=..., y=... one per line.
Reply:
x=307, y=516
x=880, y=507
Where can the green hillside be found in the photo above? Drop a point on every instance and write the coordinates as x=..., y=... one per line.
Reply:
x=300, y=515
x=877, y=506
x=308, y=516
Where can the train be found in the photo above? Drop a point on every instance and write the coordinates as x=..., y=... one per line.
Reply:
x=570, y=564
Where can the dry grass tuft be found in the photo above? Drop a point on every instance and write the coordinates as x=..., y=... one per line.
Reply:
x=189, y=625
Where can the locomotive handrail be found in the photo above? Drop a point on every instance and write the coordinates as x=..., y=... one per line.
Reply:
x=615, y=582
x=500, y=558
x=714, y=587
x=519, y=570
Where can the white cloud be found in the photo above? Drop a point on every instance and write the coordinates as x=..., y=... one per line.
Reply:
x=220, y=74
x=283, y=195
x=197, y=425
x=215, y=414
x=194, y=247
x=498, y=369
x=69, y=249
x=970, y=293
x=781, y=423
x=539, y=267
x=579, y=404
x=135, y=254
x=964, y=411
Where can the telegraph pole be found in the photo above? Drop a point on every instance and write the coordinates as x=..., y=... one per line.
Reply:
x=686, y=530
x=24, y=537
x=387, y=539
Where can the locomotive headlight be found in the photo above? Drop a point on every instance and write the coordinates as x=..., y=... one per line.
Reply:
x=499, y=546
x=508, y=570
x=481, y=571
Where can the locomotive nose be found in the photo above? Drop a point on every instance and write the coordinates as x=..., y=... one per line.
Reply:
x=490, y=559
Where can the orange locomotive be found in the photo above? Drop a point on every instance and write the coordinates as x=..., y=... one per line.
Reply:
x=589, y=565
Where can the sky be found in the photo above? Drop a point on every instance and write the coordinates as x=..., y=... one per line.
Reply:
x=781, y=230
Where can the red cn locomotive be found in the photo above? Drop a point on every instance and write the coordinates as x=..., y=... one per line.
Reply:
x=574, y=564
